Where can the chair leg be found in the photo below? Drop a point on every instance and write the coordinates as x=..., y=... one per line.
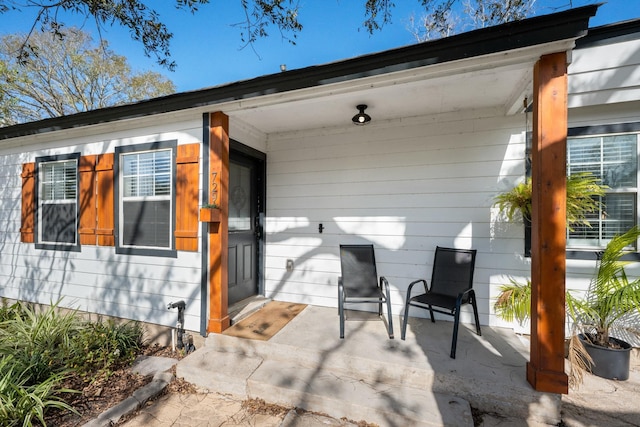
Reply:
x=456, y=322
x=433, y=319
x=404, y=320
x=389, y=319
x=341, y=308
x=475, y=312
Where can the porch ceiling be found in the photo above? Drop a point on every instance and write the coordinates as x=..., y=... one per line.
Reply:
x=401, y=95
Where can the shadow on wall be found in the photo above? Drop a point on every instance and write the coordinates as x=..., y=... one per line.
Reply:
x=95, y=279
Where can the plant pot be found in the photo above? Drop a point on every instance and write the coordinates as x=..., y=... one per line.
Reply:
x=610, y=363
x=209, y=215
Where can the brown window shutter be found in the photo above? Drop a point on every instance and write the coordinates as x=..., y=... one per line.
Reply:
x=104, y=200
x=187, y=177
x=28, y=216
x=87, y=201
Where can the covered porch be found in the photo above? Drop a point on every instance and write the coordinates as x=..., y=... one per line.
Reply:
x=447, y=133
x=369, y=377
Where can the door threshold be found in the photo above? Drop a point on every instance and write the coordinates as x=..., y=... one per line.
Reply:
x=247, y=306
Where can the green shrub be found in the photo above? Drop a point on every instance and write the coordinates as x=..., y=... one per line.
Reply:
x=101, y=347
x=38, y=341
x=23, y=399
x=39, y=349
x=8, y=312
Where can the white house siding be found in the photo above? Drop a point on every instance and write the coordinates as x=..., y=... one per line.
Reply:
x=95, y=279
x=604, y=88
x=406, y=186
x=605, y=74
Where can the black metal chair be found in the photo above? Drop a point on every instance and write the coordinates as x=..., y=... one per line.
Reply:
x=451, y=287
x=359, y=282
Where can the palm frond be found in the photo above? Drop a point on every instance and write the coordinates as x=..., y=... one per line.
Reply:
x=514, y=301
x=584, y=195
x=579, y=360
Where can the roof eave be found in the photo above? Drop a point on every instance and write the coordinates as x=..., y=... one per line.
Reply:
x=566, y=25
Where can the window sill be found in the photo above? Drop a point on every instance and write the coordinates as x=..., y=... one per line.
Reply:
x=592, y=255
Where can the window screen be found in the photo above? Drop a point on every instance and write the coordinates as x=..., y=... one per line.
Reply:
x=146, y=192
x=57, y=202
x=614, y=160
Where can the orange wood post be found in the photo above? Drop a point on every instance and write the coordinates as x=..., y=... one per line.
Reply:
x=219, y=232
x=545, y=370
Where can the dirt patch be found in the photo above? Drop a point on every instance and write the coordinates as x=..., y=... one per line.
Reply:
x=259, y=406
x=96, y=395
x=179, y=385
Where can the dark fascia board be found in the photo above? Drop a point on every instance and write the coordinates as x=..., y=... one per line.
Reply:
x=611, y=33
x=569, y=24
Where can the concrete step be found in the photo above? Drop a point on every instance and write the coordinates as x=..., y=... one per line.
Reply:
x=218, y=371
x=366, y=369
x=326, y=383
x=321, y=390
x=479, y=388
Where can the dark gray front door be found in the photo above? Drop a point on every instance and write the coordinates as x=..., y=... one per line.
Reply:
x=245, y=231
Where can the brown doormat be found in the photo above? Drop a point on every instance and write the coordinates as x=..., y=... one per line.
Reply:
x=266, y=322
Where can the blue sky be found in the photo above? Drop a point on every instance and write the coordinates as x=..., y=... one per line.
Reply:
x=209, y=52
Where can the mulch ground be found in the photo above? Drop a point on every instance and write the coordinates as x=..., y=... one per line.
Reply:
x=96, y=395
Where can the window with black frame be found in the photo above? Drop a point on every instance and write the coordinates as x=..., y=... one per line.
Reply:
x=146, y=211
x=613, y=158
x=57, y=201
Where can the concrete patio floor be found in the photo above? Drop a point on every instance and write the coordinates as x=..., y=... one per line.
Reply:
x=369, y=377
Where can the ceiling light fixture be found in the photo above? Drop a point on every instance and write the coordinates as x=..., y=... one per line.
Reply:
x=361, y=118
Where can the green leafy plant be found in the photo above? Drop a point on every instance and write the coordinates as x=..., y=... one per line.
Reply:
x=23, y=402
x=514, y=301
x=516, y=201
x=607, y=303
x=611, y=294
x=38, y=340
x=583, y=197
x=101, y=347
x=8, y=312
x=610, y=298
x=33, y=354
x=39, y=349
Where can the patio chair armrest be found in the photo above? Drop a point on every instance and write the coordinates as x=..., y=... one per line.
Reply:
x=463, y=295
x=412, y=284
x=384, y=283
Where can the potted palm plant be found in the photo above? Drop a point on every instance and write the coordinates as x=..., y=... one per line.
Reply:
x=607, y=304
x=610, y=298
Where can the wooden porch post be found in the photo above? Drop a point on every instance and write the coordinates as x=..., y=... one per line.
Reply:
x=219, y=232
x=545, y=370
